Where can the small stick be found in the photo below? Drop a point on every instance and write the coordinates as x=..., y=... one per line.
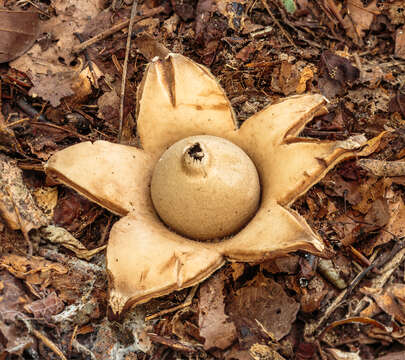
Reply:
x=186, y=303
x=285, y=33
x=125, y=68
x=47, y=342
x=28, y=109
x=83, y=137
x=171, y=343
x=114, y=29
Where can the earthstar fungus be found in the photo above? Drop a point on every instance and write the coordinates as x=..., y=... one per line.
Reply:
x=179, y=99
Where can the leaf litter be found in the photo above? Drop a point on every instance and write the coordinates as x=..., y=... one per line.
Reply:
x=357, y=207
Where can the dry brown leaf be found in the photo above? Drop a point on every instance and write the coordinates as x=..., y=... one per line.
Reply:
x=237, y=270
x=212, y=318
x=359, y=19
x=149, y=47
x=49, y=69
x=17, y=205
x=306, y=74
x=54, y=87
x=378, y=215
x=370, y=191
x=34, y=270
x=46, y=307
x=286, y=79
x=337, y=186
x=18, y=32
x=285, y=264
x=108, y=107
x=396, y=222
x=265, y=301
x=12, y=301
x=185, y=328
x=59, y=235
x=393, y=356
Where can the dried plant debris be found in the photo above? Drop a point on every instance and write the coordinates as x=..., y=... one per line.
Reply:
x=66, y=89
x=59, y=235
x=45, y=308
x=212, y=317
x=12, y=302
x=262, y=303
x=391, y=300
x=18, y=32
x=383, y=168
x=50, y=68
x=17, y=206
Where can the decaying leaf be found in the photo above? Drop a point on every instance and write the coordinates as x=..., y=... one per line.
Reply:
x=34, y=271
x=50, y=69
x=265, y=301
x=212, y=317
x=46, y=307
x=383, y=168
x=337, y=73
x=391, y=300
x=17, y=205
x=12, y=301
x=18, y=32
x=362, y=16
x=395, y=226
x=59, y=235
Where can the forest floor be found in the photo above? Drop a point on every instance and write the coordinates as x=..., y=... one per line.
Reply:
x=54, y=304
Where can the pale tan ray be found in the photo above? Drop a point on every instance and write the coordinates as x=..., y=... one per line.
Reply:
x=146, y=260
x=114, y=176
x=273, y=232
x=178, y=98
x=296, y=166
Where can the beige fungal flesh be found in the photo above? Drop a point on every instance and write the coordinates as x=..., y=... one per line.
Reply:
x=204, y=187
x=178, y=99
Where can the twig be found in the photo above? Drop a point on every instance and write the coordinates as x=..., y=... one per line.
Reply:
x=285, y=33
x=47, y=342
x=29, y=110
x=125, y=68
x=397, y=251
x=186, y=303
x=115, y=28
x=171, y=343
x=83, y=137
